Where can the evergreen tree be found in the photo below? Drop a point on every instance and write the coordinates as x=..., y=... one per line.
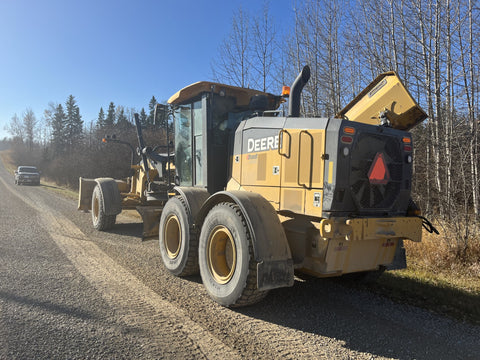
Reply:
x=101, y=119
x=122, y=120
x=58, y=124
x=151, y=107
x=73, y=123
x=110, y=120
x=143, y=117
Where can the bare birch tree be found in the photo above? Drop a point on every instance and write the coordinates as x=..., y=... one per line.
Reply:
x=233, y=64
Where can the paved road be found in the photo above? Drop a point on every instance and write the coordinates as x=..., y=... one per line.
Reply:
x=67, y=291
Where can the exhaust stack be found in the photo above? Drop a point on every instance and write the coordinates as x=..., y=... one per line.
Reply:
x=296, y=90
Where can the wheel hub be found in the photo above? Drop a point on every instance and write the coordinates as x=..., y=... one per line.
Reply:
x=172, y=236
x=222, y=254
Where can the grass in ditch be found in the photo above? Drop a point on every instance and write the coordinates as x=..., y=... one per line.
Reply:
x=6, y=158
x=442, y=275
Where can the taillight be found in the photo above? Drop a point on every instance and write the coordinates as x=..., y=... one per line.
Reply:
x=349, y=130
x=407, y=144
x=347, y=137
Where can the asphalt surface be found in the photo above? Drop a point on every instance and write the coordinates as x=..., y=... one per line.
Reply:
x=70, y=292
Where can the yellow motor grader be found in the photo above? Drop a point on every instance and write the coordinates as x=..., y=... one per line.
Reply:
x=259, y=195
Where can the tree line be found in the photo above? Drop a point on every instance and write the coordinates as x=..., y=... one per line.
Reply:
x=65, y=148
x=433, y=45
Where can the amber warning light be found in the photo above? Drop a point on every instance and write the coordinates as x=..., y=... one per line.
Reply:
x=285, y=91
x=378, y=173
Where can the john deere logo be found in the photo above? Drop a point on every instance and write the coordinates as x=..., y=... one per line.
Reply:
x=378, y=173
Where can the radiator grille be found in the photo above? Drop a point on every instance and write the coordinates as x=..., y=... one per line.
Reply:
x=375, y=196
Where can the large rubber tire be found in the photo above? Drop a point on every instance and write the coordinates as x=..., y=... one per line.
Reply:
x=100, y=220
x=177, y=239
x=227, y=264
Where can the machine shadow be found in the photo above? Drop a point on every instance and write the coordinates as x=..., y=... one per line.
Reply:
x=128, y=229
x=325, y=307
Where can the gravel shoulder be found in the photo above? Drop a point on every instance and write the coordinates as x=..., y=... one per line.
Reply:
x=68, y=291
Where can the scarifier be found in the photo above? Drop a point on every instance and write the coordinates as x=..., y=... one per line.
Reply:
x=258, y=196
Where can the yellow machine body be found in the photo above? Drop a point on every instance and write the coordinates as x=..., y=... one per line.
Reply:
x=290, y=167
x=388, y=96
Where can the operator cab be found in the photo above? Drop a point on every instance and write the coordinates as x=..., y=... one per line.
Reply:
x=206, y=115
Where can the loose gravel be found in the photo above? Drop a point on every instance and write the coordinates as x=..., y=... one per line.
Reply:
x=68, y=291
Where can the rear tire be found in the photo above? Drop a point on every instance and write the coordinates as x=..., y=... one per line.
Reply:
x=100, y=220
x=177, y=239
x=227, y=264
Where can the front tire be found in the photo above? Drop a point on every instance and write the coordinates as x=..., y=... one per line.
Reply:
x=100, y=220
x=177, y=239
x=227, y=264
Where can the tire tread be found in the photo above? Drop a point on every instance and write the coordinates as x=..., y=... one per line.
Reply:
x=250, y=294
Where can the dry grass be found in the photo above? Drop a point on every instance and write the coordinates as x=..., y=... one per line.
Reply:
x=443, y=257
x=6, y=158
x=443, y=275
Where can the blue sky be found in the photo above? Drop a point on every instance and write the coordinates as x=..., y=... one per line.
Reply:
x=105, y=50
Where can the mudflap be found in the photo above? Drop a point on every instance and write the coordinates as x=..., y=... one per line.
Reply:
x=151, y=220
x=270, y=245
x=274, y=274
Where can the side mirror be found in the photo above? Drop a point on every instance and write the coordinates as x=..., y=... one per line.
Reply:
x=16, y=172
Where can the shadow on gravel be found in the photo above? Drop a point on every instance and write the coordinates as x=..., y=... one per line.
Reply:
x=46, y=305
x=364, y=321
x=127, y=229
x=50, y=186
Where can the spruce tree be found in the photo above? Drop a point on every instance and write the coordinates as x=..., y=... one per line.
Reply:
x=74, y=123
x=110, y=120
x=122, y=120
x=143, y=117
x=58, y=130
x=101, y=119
x=151, y=107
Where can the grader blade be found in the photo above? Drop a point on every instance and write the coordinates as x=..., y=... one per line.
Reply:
x=85, y=192
x=151, y=220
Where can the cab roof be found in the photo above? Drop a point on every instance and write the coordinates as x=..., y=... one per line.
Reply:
x=242, y=95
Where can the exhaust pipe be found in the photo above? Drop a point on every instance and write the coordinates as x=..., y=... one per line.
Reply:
x=296, y=90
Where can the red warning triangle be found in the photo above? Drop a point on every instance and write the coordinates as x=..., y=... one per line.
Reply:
x=378, y=173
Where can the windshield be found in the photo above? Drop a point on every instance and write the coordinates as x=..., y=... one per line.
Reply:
x=183, y=136
x=30, y=169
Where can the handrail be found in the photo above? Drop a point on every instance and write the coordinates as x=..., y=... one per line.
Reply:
x=281, y=143
x=300, y=159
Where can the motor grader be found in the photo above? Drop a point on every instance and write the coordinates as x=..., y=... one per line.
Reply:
x=259, y=195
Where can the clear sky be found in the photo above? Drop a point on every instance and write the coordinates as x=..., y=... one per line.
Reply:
x=110, y=50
